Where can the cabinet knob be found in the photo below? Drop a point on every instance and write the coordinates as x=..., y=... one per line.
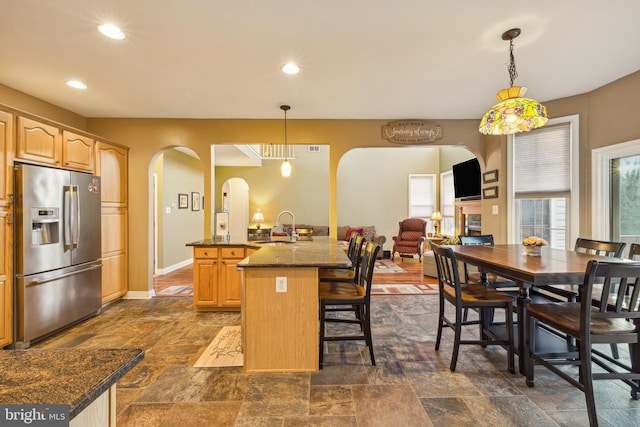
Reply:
x=206, y=253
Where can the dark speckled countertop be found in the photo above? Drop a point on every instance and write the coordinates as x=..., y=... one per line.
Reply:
x=321, y=252
x=74, y=377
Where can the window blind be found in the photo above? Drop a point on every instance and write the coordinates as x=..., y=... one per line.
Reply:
x=421, y=195
x=542, y=162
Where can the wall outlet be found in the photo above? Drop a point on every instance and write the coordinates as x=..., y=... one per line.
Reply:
x=281, y=284
x=167, y=210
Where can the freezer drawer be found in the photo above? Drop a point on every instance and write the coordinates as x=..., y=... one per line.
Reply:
x=50, y=301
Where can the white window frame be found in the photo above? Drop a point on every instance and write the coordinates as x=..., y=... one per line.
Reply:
x=443, y=205
x=433, y=192
x=573, y=223
x=601, y=184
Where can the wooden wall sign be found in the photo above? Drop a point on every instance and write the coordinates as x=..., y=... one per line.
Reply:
x=412, y=132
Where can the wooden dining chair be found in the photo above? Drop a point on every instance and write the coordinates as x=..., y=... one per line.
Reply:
x=477, y=276
x=593, y=320
x=345, y=275
x=470, y=295
x=571, y=292
x=350, y=304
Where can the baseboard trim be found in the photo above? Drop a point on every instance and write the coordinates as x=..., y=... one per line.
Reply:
x=140, y=294
x=174, y=267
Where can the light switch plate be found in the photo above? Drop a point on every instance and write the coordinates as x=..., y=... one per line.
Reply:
x=494, y=209
x=281, y=284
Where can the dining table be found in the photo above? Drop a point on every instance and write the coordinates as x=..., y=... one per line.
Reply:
x=551, y=267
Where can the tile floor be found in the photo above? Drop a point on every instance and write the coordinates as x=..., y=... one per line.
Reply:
x=410, y=386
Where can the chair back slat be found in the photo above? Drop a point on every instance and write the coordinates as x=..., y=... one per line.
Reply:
x=599, y=247
x=634, y=251
x=367, y=265
x=447, y=267
x=356, y=260
x=617, y=294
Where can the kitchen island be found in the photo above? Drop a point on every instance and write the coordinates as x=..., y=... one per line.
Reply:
x=279, y=300
x=83, y=379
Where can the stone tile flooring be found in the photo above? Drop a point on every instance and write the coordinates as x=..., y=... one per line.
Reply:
x=410, y=386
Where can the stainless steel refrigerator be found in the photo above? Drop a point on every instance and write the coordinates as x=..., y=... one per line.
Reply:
x=57, y=245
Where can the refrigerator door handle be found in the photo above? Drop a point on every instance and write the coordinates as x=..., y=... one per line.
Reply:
x=66, y=214
x=61, y=276
x=76, y=217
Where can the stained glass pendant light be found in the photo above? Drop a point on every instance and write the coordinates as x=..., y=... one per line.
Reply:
x=285, y=169
x=514, y=113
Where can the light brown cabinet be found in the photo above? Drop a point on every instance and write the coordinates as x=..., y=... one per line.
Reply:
x=6, y=228
x=111, y=166
x=49, y=145
x=77, y=151
x=216, y=279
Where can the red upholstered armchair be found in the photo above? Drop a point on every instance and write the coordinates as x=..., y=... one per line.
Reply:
x=410, y=238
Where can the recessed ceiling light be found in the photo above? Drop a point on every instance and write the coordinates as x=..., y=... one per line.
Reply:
x=76, y=84
x=111, y=31
x=290, y=68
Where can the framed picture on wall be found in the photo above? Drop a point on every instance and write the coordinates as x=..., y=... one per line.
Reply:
x=183, y=201
x=195, y=201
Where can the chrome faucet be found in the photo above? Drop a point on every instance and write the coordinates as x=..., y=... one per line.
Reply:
x=294, y=233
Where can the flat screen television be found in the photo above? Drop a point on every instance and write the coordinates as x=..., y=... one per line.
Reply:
x=467, y=179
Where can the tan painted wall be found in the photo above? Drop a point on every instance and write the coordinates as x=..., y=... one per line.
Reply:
x=607, y=116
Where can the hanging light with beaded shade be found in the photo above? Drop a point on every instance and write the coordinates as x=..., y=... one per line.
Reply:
x=514, y=113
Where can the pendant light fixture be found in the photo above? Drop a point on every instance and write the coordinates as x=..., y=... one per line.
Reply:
x=513, y=113
x=285, y=169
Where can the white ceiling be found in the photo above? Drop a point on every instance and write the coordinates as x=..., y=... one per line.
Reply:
x=369, y=59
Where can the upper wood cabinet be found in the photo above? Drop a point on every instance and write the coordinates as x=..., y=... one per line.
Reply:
x=112, y=167
x=77, y=151
x=38, y=142
x=48, y=144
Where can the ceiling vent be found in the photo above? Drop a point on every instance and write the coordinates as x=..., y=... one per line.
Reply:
x=314, y=148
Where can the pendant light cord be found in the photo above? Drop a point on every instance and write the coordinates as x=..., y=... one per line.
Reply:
x=512, y=64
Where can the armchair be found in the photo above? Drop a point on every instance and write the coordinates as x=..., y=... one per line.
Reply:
x=410, y=239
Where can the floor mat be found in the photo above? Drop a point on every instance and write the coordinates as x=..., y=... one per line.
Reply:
x=224, y=350
x=387, y=266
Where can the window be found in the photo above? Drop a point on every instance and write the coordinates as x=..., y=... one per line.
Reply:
x=422, y=190
x=447, y=204
x=616, y=192
x=544, y=185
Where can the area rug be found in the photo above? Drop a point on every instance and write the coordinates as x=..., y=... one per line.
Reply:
x=422, y=289
x=177, y=291
x=225, y=350
x=387, y=266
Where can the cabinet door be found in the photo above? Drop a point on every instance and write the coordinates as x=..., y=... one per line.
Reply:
x=112, y=168
x=114, y=253
x=6, y=159
x=6, y=282
x=77, y=151
x=205, y=282
x=38, y=142
x=114, y=277
x=6, y=229
x=230, y=279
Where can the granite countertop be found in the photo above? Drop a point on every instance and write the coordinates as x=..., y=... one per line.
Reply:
x=74, y=377
x=212, y=243
x=321, y=252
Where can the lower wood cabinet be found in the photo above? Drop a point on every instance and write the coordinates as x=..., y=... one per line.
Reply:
x=216, y=279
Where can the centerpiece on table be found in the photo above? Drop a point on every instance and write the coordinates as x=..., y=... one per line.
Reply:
x=533, y=245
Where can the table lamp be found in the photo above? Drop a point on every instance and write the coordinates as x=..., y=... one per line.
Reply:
x=257, y=218
x=436, y=217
